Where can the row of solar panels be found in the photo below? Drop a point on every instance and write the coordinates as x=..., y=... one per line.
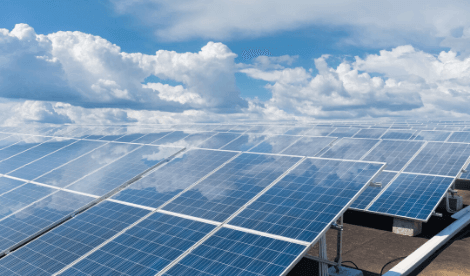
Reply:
x=194, y=195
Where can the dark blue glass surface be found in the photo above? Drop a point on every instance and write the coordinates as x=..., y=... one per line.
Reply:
x=349, y=148
x=275, y=144
x=165, y=182
x=440, y=159
x=37, y=216
x=224, y=192
x=366, y=197
x=463, y=136
x=412, y=196
x=231, y=252
x=146, y=248
x=432, y=135
x=372, y=133
x=395, y=153
x=308, y=146
x=219, y=140
x=307, y=199
x=54, y=250
x=118, y=172
x=245, y=142
x=56, y=159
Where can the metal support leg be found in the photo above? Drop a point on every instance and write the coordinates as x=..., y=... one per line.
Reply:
x=322, y=267
x=339, y=244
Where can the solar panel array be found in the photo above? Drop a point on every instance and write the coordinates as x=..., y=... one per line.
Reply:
x=209, y=199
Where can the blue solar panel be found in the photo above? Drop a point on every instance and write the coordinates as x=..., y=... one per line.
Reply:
x=117, y=173
x=366, y=197
x=275, y=144
x=151, y=137
x=145, y=249
x=372, y=133
x=20, y=197
x=432, y=135
x=7, y=184
x=440, y=159
x=341, y=132
x=224, y=192
x=463, y=136
x=82, y=166
x=56, y=159
x=37, y=216
x=219, y=140
x=64, y=244
x=8, y=141
x=193, y=140
x=298, y=130
x=412, y=196
x=164, y=183
x=395, y=153
x=348, y=148
x=308, y=199
x=32, y=154
x=245, y=142
x=171, y=138
x=308, y=146
x=19, y=143
x=231, y=252
x=320, y=131
x=465, y=175
x=398, y=134
x=260, y=129
x=240, y=129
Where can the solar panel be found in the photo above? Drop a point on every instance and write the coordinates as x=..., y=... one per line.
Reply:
x=401, y=134
x=308, y=199
x=7, y=184
x=462, y=136
x=171, y=138
x=298, y=131
x=308, y=146
x=124, y=169
x=219, y=140
x=144, y=249
x=161, y=185
x=245, y=142
x=193, y=140
x=320, y=131
x=412, y=196
x=395, y=153
x=19, y=143
x=366, y=197
x=232, y=252
x=35, y=217
x=440, y=159
x=349, y=148
x=155, y=135
x=432, y=135
x=59, y=247
x=226, y=190
x=56, y=159
x=275, y=144
x=341, y=132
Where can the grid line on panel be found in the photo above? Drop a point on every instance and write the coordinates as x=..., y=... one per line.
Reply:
x=349, y=148
x=269, y=235
x=371, y=192
x=371, y=149
x=448, y=137
x=23, y=150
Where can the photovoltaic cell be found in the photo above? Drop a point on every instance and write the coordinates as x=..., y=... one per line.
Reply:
x=372, y=133
x=224, y=192
x=37, y=216
x=366, y=197
x=145, y=249
x=61, y=246
x=56, y=159
x=7, y=184
x=308, y=199
x=463, y=136
x=432, y=135
x=395, y=153
x=412, y=196
x=245, y=142
x=275, y=144
x=440, y=159
x=161, y=185
x=308, y=146
x=231, y=252
x=117, y=173
x=19, y=143
x=401, y=134
x=348, y=148
x=219, y=140
x=70, y=172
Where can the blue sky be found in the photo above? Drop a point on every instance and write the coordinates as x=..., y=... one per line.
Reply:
x=225, y=60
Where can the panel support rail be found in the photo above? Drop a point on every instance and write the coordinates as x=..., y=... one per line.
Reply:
x=88, y=206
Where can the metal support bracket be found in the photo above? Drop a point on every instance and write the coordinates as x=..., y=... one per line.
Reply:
x=437, y=214
x=376, y=184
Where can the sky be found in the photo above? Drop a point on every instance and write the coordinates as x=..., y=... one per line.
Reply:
x=160, y=61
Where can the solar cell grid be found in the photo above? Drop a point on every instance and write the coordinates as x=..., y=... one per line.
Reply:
x=219, y=140
x=193, y=140
x=245, y=142
x=275, y=144
x=462, y=136
x=7, y=184
x=320, y=131
x=175, y=176
x=341, y=132
x=64, y=244
x=395, y=153
x=412, y=196
x=366, y=197
x=225, y=191
x=231, y=252
x=401, y=134
x=151, y=137
x=19, y=143
x=349, y=148
x=171, y=138
x=144, y=249
x=307, y=200
x=432, y=135
x=308, y=146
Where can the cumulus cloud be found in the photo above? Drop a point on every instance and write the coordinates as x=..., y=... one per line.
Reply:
x=89, y=71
